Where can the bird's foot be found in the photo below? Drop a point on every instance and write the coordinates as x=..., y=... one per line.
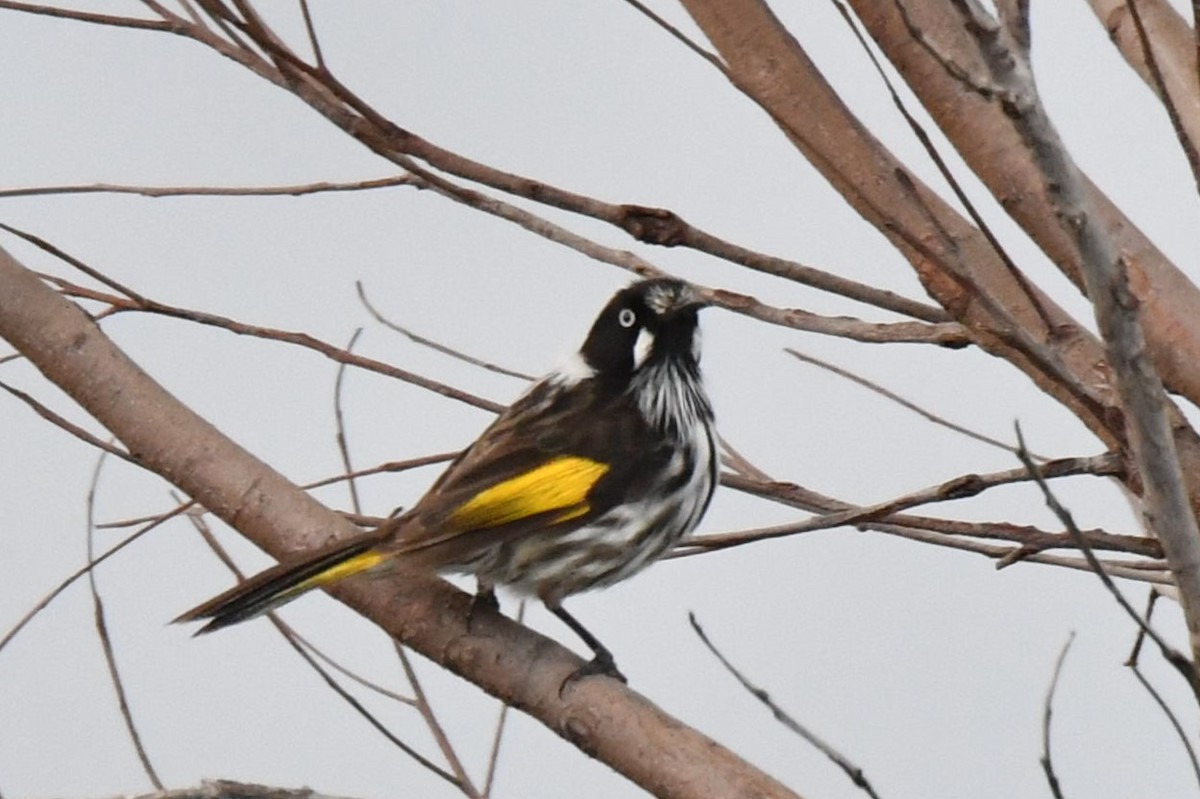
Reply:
x=600, y=665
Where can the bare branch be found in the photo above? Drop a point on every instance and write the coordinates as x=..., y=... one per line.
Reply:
x=330, y=97
x=42, y=603
x=85, y=16
x=310, y=658
x=340, y=422
x=435, y=727
x=1173, y=656
x=1158, y=44
x=852, y=771
x=1047, y=709
x=63, y=424
x=227, y=789
x=968, y=485
x=678, y=35
x=318, y=57
x=494, y=755
x=955, y=263
x=1148, y=424
x=296, y=190
x=1171, y=718
x=918, y=131
x=110, y=656
x=337, y=354
x=433, y=345
x=902, y=402
x=958, y=535
x=986, y=139
x=1132, y=663
x=1164, y=92
x=608, y=720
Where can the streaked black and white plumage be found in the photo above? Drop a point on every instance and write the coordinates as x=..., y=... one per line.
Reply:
x=594, y=473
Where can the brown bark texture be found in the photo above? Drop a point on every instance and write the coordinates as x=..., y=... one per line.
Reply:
x=943, y=54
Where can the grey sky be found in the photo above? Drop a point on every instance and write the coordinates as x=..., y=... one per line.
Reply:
x=927, y=667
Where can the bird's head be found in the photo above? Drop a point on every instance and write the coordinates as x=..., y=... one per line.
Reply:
x=647, y=324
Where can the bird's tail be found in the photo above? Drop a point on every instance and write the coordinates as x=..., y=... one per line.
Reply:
x=285, y=581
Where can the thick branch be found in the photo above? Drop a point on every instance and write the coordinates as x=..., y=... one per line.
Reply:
x=602, y=717
x=957, y=265
x=1147, y=414
x=1172, y=65
x=986, y=140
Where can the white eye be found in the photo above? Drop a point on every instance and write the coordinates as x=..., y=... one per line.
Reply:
x=626, y=317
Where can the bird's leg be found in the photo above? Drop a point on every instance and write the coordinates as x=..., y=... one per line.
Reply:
x=602, y=660
x=484, y=600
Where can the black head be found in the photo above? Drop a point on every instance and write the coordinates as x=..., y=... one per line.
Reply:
x=644, y=324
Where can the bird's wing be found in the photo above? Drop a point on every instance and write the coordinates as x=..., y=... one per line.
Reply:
x=554, y=460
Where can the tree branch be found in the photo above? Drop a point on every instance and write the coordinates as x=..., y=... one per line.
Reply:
x=602, y=717
x=1149, y=425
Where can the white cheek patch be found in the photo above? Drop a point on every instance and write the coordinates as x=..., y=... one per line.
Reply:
x=642, y=347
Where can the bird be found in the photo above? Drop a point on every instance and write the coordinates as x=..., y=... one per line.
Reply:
x=595, y=472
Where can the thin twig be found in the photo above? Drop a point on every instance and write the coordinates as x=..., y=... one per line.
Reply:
x=84, y=16
x=1140, y=638
x=110, y=657
x=340, y=421
x=159, y=8
x=1132, y=663
x=902, y=402
x=493, y=761
x=361, y=709
x=435, y=727
x=1149, y=419
x=419, y=699
x=1047, y=710
x=959, y=488
x=430, y=343
x=1173, y=656
x=42, y=603
x=318, y=57
x=65, y=257
x=852, y=771
x=292, y=641
x=70, y=427
x=1160, y=85
x=918, y=130
x=345, y=671
x=678, y=35
x=735, y=461
x=945, y=533
x=296, y=190
x=385, y=468
x=324, y=348
x=192, y=13
x=1172, y=718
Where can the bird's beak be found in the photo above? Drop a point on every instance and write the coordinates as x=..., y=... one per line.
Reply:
x=689, y=299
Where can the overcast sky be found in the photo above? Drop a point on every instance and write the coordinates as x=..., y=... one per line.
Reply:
x=925, y=666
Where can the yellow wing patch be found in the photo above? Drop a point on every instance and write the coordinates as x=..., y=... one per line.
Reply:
x=560, y=484
x=347, y=568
